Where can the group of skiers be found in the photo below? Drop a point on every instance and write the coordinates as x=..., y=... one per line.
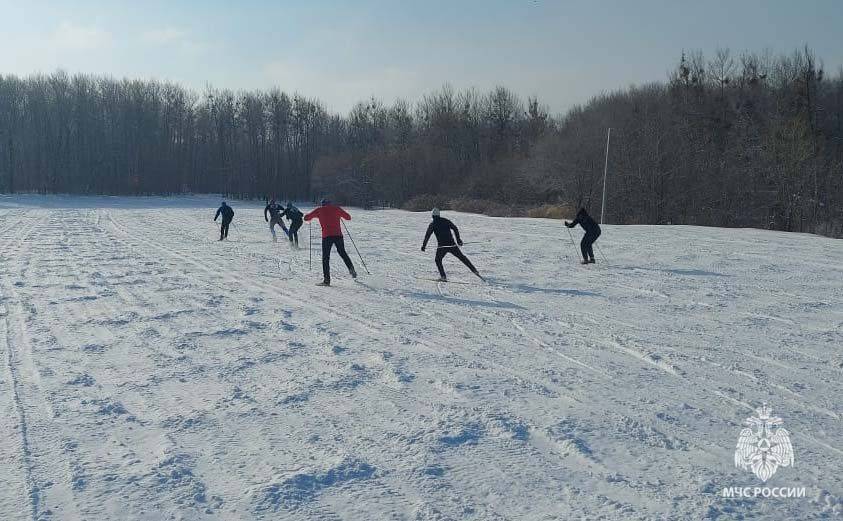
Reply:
x=330, y=218
x=274, y=214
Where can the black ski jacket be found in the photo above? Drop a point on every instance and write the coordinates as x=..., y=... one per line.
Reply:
x=293, y=214
x=227, y=213
x=588, y=224
x=272, y=209
x=442, y=227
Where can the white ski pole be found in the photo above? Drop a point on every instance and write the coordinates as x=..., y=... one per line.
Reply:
x=571, y=235
x=601, y=254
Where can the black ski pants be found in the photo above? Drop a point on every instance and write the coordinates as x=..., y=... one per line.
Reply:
x=587, y=242
x=327, y=244
x=294, y=231
x=224, y=228
x=456, y=252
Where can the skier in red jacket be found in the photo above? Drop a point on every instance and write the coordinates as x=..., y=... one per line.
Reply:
x=329, y=216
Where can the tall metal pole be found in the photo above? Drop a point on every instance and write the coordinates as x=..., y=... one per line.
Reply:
x=605, y=170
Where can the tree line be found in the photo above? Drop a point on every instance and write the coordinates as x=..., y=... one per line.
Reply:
x=731, y=140
x=97, y=135
x=748, y=140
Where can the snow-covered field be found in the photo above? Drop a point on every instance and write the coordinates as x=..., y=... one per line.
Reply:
x=151, y=372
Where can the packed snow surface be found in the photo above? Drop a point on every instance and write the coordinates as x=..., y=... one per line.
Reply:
x=152, y=372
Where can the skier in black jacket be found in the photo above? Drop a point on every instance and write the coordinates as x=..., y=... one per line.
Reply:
x=442, y=228
x=227, y=215
x=273, y=209
x=592, y=232
x=296, y=219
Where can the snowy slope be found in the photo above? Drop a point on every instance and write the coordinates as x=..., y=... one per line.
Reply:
x=151, y=372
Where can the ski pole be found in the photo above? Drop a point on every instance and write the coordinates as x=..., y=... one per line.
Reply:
x=463, y=244
x=355, y=247
x=571, y=235
x=601, y=254
x=310, y=246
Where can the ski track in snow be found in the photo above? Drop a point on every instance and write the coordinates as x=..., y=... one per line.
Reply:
x=152, y=372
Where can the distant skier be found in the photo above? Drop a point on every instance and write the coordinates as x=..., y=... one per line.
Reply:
x=592, y=232
x=227, y=215
x=295, y=217
x=442, y=228
x=274, y=209
x=329, y=216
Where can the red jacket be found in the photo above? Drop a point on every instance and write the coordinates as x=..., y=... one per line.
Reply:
x=329, y=217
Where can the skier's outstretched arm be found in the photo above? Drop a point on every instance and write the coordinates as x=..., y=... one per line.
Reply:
x=265, y=211
x=427, y=236
x=345, y=215
x=219, y=210
x=573, y=223
x=456, y=233
x=312, y=214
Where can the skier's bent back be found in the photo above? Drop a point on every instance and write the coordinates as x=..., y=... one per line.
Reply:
x=227, y=215
x=295, y=216
x=442, y=228
x=592, y=232
x=329, y=216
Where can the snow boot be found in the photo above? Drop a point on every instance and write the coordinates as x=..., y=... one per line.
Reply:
x=324, y=283
x=353, y=274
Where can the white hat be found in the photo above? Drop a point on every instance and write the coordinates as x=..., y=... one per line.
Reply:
x=435, y=212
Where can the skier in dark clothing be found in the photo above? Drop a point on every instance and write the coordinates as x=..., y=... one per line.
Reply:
x=273, y=209
x=227, y=215
x=296, y=219
x=329, y=216
x=592, y=232
x=442, y=228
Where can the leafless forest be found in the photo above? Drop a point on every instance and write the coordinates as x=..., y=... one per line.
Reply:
x=726, y=140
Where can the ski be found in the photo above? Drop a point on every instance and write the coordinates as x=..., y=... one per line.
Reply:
x=449, y=281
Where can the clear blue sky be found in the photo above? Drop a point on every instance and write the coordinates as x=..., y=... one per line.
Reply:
x=342, y=52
